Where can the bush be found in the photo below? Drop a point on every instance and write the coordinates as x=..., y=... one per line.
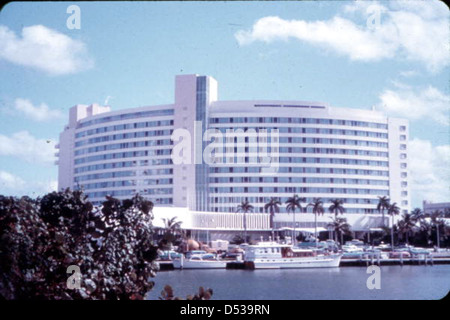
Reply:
x=41, y=238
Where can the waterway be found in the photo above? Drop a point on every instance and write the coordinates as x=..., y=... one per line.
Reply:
x=397, y=283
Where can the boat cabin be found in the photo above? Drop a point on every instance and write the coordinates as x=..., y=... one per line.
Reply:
x=297, y=253
x=271, y=250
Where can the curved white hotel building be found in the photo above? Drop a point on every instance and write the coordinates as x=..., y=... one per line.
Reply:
x=314, y=150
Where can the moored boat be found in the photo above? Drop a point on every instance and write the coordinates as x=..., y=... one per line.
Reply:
x=271, y=255
x=199, y=261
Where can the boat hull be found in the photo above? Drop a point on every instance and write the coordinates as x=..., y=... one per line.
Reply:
x=196, y=264
x=292, y=263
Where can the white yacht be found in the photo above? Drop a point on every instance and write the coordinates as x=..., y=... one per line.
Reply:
x=199, y=261
x=272, y=255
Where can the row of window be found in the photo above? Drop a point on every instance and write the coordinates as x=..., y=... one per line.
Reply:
x=258, y=149
x=254, y=160
x=334, y=161
x=121, y=136
x=301, y=190
x=114, y=193
x=102, y=166
x=243, y=140
x=125, y=145
x=354, y=152
x=168, y=161
x=120, y=155
x=263, y=200
x=317, y=131
x=126, y=116
x=298, y=120
x=297, y=180
x=124, y=193
x=111, y=165
x=105, y=175
x=117, y=174
x=127, y=126
x=301, y=170
x=109, y=184
x=333, y=141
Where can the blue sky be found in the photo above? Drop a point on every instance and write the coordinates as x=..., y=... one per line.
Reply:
x=128, y=53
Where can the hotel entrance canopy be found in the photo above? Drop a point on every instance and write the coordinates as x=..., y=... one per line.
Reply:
x=306, y=230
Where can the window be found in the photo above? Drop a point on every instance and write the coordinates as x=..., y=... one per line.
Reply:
x=403, y=156
x=402, y=137
x=402, y=128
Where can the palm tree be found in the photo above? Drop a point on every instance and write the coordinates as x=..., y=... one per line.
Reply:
x=438, y=222
x=273, y=207
x=447, y=213
x=336, y=207
x=317, y=208
x=292, y=204
x=393, y=210
x=340, y=225
x=417, y=214
x=172, y=225
x=245, y=207
x=383, y=203
x=173, y=228
x=427, y=228
x=407, y=224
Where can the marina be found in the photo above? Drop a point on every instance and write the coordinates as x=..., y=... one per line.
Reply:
x=273, y=255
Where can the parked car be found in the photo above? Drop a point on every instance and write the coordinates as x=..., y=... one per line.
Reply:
x=168, y=255
x=196, y=252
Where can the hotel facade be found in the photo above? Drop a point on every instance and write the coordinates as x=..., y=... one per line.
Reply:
x=257, y=150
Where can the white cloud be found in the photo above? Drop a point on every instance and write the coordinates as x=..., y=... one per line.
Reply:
x=405, y=31
x=408, y=73
x=44, y=49
x=416, y=104
x=9, y=181
x=430, y=170
x=37, y=113
x=12, y=185
x=26, y=147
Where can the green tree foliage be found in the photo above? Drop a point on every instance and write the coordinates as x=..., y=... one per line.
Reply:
x=41, y=238
x=173, y=233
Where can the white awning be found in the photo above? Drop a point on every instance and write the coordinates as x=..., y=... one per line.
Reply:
x=307, y=230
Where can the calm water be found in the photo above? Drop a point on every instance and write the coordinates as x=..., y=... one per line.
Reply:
x=407, y=282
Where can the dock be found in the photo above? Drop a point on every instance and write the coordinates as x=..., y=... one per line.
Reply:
x=165, y=265
x=394, y=261
x=236, y=265
x=363, y=262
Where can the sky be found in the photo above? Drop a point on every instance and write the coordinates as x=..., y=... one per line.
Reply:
x=393, y=56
